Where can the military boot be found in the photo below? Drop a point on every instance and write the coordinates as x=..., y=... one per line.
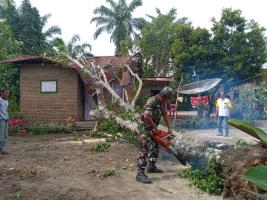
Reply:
x=152, y=168
x=141, y=176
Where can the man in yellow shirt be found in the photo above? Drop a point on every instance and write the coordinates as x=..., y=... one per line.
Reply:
x=223, y=109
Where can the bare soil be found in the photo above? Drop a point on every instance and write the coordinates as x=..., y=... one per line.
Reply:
x=55, y=167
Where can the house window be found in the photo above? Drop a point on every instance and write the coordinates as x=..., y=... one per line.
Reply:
x=48, y=86
x=118, y=89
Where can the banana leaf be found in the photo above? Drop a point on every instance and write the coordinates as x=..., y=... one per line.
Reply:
x=249, y=129
x=261, y=134
x=263, y=196
x=257, y=175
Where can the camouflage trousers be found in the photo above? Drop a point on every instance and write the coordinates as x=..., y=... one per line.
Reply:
x=149, y=149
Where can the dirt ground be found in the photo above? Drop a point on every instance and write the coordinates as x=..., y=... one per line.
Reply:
x=55, y=167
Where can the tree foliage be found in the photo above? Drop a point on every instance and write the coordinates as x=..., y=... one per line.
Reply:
x=29, y=29
x=250, y=105
x=9, y=46
x=9, y=76
x=172, y=14
x=234, y=50
x=241, y=46
x=4, y=5
x=191, y=51
x=49, y=33
x=155, y=43
x=73, y=48
x=117, y=20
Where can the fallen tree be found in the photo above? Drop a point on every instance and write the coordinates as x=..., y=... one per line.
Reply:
x=196, y=152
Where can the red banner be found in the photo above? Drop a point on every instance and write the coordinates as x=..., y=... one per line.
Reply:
x=203, y=99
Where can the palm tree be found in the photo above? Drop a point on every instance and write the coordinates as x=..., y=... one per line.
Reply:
x=72, y=48
x=117, y=21
x=50, y=32
x=172, y=13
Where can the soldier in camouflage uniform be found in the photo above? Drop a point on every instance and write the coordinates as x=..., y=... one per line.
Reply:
x=155, y=107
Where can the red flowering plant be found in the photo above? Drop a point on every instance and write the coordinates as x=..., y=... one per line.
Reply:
x=17, y=124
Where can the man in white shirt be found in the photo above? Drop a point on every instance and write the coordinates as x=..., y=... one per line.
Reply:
x=223, y=109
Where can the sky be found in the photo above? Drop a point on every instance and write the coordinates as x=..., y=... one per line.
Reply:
x=73, y=17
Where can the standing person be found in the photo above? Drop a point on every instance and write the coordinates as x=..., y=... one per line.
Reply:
x=3, y=119
x=155, y=107
x=223, y=109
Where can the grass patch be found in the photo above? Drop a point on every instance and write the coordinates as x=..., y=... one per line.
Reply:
x=109, y=172
x=101, y=147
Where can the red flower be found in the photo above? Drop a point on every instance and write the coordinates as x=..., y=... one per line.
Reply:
x=17, y=122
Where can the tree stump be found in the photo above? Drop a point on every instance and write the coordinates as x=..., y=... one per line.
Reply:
x=235, y=162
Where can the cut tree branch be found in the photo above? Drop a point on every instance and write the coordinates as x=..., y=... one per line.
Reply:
x=139, y=86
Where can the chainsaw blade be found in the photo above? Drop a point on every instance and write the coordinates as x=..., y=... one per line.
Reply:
x=177, y=155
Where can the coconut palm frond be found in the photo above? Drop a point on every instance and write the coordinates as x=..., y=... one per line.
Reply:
x=158, y=11
x=138, y=23
x=150, y=16
x=57, y=41
x=104, y=11
x=172, y=13
x=45, y=18
x=101, y=20
x=134, y=4
x=112, y=3
x=53, y=30
x=117, y=20
x=87, y=45
x=75, y=38
x=99, y=31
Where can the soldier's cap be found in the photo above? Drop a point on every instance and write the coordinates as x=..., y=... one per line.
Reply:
x=167, y=92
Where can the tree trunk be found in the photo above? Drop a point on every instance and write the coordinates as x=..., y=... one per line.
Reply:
x=233, y=161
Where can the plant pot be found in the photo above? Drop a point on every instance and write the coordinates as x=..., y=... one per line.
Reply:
x=21, y=133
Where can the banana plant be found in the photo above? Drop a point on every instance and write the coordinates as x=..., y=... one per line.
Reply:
x=258, y=176
x=249, y=129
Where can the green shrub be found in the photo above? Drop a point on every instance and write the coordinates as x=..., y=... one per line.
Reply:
x=250, y=105
x=209, y=180
x=41, y=130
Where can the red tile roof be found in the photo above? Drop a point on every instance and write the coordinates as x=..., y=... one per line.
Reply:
x=116, y=61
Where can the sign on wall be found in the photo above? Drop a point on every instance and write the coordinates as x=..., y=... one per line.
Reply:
x=48, y=86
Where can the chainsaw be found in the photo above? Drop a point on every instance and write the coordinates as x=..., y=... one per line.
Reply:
x=162, y=138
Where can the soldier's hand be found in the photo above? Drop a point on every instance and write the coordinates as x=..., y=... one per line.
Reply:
x=156, y=131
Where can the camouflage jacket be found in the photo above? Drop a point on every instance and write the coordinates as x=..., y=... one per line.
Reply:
x=155, y=109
